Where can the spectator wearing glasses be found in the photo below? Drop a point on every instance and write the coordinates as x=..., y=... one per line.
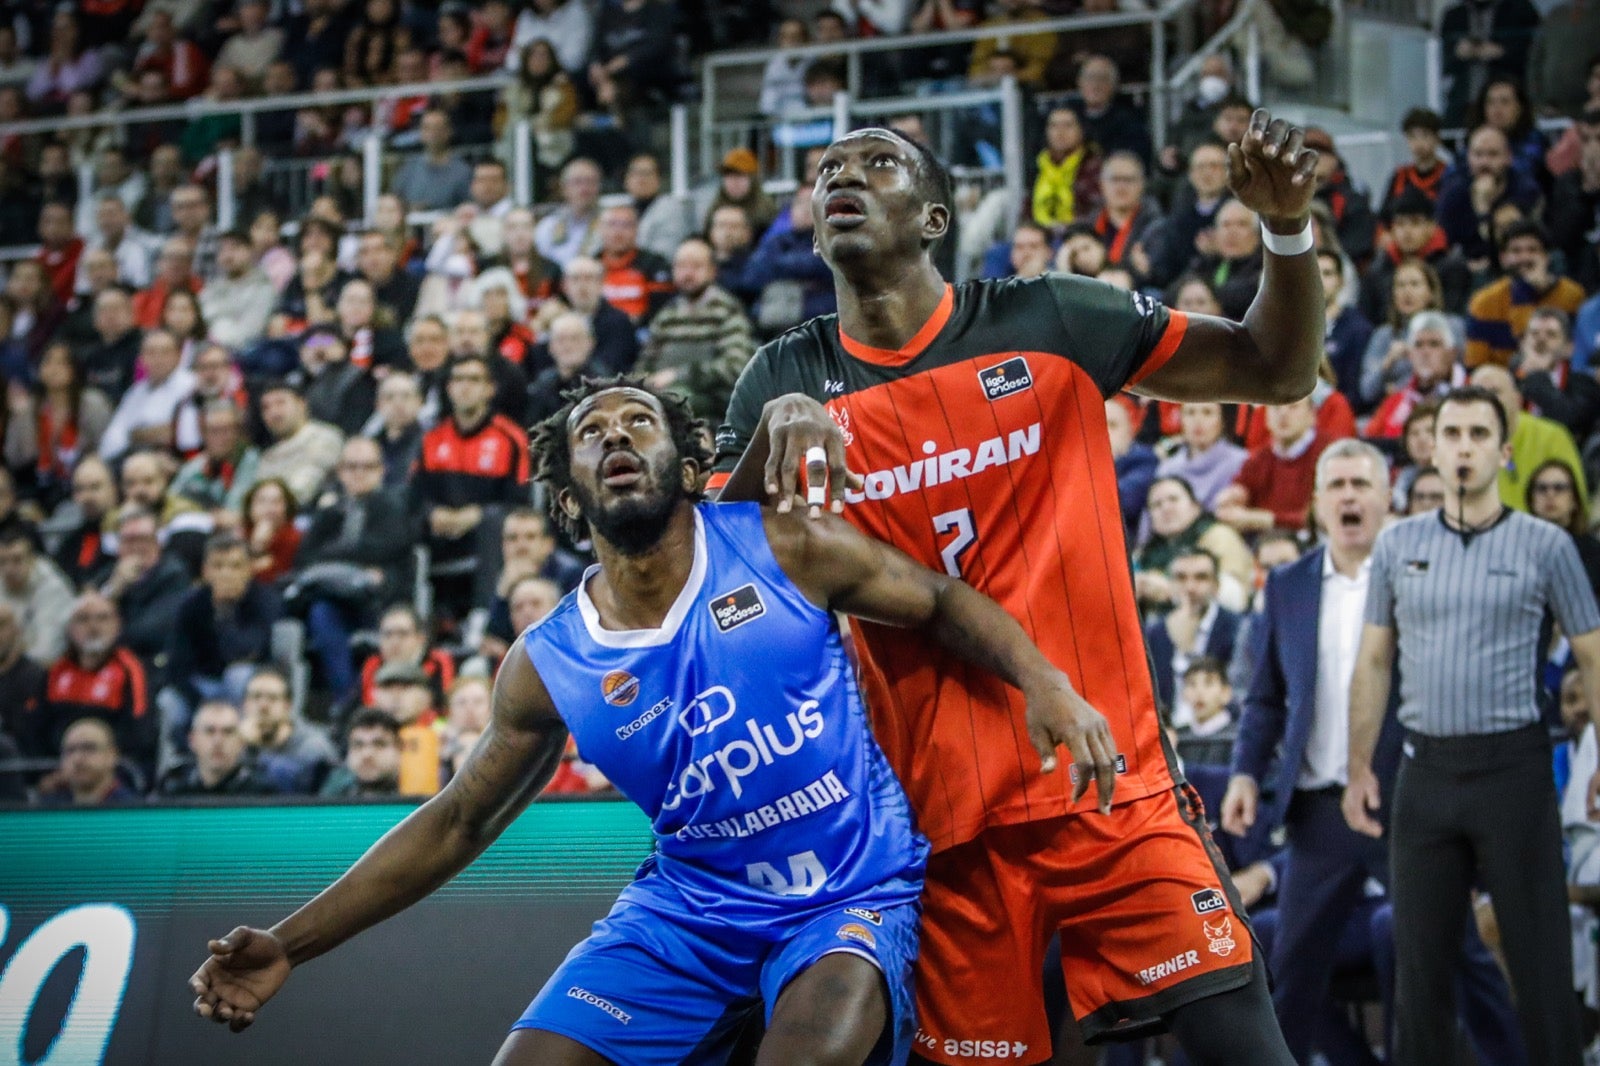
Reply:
x=293, y=753
x=88, y=768
x=1553, y=496
x=98, y=677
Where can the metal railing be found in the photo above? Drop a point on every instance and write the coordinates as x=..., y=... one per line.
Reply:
x=1161, y=89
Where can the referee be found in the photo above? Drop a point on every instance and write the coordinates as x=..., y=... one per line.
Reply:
x=1462, y=592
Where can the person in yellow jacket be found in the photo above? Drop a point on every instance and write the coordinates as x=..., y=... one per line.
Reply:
x=1067, y=185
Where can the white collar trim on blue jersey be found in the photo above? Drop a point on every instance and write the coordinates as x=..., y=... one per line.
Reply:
x=648, y=638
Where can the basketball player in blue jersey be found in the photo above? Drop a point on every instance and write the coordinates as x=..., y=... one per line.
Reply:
x=699, y=665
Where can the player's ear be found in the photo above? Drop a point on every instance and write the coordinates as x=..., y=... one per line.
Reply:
x=935, y=221
x=692, y=477
x=568, y=502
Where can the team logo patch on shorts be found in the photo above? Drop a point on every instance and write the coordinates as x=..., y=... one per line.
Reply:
x=1207, y=900
x=1006, y=379
x=1122, y=767
x=1220, y=935
x=859, y=933
x=620, y=688
x=865, y=915
x=734, y=609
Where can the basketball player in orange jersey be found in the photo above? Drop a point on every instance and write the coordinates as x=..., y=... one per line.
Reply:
x=975, y=418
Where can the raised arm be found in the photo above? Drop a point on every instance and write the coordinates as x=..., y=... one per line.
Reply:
x=511, y=762
x=1369, y=697
x=1272, y=356
x=840, y=569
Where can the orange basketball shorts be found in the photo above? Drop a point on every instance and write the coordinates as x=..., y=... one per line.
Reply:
x=1146, y=912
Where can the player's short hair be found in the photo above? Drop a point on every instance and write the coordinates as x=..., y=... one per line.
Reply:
x=552, y=450
x=934, y=183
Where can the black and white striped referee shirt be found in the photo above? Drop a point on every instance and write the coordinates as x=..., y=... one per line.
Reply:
x=1467, y=614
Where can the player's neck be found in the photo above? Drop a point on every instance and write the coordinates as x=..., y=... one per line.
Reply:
x=886, y=308
x=637, y=591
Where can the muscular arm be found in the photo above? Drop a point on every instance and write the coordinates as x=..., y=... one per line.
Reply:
x=840, y=569
x=512, y=761
x=1369, y=697
x=1272, y=356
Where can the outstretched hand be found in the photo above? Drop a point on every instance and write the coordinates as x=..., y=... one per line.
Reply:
x=797, y=424
x=1057, y=715
x=246, y=968
x=1271, y=171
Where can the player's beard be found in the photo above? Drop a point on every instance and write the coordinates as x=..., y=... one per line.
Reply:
x=635, y=524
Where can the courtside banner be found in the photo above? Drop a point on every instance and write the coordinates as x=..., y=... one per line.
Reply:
x=105, y=913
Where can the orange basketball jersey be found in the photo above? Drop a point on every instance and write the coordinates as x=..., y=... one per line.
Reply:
x=985, y=451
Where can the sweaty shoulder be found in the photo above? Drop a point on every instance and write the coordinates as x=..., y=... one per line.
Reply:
x=1116, y=336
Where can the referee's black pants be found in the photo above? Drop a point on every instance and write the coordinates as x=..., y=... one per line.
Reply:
x=1480, y=810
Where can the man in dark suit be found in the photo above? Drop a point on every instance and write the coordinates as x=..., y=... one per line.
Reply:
x=1197, y=626
x=1298, y=703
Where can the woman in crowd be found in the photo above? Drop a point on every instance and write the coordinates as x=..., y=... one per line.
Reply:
x=544, y=95
x=1416, y=443
x=181, y=316
x=1205, y=459
x=1385, y=366
x=266, y=243
x=270, y=530
x=1503, y=104
x=54, y=423
x=1177, y=523
x=1553, y=496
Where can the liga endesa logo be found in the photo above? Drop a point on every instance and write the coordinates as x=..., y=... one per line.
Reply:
x=619, y=688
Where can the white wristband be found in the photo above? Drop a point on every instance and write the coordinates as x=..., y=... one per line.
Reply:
x=1286, y=243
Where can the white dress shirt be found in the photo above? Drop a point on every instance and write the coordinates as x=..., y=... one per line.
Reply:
x=144, y=405
x=1327, y=757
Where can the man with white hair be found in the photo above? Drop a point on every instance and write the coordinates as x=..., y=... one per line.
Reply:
x=97, y=676
x=1433, y=351
x=1108, y=120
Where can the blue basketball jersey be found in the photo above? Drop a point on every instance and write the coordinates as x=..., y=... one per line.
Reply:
x=737, y=727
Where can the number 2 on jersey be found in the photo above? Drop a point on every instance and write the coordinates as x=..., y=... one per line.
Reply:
x=959, y=523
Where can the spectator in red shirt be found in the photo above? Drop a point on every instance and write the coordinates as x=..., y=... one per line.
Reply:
x=1435, y=369
x=474, y=468
x=186, y=67
x=59, y=249
x=174, y=270
x=97, y=678
x=491, y=37
x=637, y=282
x=1273, y=489
x=401, y=640
x=269, y=529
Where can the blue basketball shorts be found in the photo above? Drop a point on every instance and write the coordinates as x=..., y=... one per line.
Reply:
x=654, y=989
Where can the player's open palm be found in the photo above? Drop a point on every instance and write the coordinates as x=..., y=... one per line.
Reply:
x=1271, y=170
x=1058, y=716
x=246, y=968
